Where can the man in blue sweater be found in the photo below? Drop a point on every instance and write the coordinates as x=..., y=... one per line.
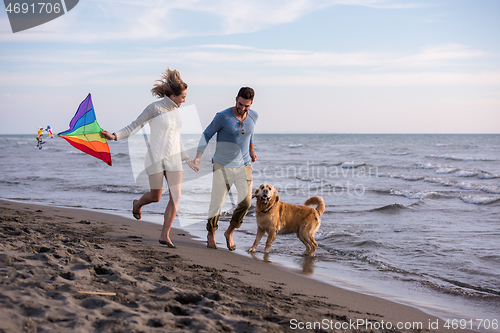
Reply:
x=231, y=162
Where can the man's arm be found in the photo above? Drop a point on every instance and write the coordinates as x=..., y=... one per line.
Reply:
x=207, y=134
x=253, y=156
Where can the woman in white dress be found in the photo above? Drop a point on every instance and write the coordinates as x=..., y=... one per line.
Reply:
x=166, y=151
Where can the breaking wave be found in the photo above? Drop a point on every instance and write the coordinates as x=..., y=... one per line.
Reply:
x=395, y=207
x=459, y=158
x=479, y=200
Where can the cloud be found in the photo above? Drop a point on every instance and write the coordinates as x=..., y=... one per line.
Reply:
x=312, y=79
x=437, y=56
x=224, y=64
x=104, y=20
x=445, y=55
x=354, y=79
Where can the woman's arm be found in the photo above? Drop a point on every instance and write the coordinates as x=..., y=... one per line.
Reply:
x=134, y=127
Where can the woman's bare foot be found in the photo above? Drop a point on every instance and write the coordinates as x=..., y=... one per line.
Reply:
x=137, y=214
x=167, y=243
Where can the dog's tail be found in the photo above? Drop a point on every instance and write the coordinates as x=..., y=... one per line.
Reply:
x=318, y=201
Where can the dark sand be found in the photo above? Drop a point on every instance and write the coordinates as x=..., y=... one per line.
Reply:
x=71, y=270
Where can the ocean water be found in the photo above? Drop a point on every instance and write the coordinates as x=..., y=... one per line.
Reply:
x=411, y=218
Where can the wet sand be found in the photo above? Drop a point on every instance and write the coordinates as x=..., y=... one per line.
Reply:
x=72, y=270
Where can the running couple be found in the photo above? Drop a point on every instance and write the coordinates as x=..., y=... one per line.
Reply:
x=234, y=153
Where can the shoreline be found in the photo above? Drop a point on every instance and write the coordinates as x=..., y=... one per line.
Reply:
x=50, y=255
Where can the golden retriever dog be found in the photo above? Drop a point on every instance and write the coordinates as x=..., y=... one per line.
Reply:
x=277, y=217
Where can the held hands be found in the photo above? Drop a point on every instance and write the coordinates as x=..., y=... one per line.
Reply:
x=193, y=165
x=196, y=162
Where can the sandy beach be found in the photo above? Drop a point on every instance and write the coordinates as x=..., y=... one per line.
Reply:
x=71, y=270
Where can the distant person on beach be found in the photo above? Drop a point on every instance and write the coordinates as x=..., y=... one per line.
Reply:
x=166, y=150
x=231, y=162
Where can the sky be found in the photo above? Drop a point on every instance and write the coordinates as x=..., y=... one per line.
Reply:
x=317, y=66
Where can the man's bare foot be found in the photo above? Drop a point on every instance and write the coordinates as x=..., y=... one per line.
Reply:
x=211, y=241
x=229, y=240
x=136, y=213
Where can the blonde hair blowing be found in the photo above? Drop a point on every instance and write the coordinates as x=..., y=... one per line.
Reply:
x=169, y=84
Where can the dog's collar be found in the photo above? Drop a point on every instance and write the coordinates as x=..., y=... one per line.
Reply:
x=267, y=210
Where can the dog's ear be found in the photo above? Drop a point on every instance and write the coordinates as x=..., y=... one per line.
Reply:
x=276, y=195
x=255, y=193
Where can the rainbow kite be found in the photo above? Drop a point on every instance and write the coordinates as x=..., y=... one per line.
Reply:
x=85, y=133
